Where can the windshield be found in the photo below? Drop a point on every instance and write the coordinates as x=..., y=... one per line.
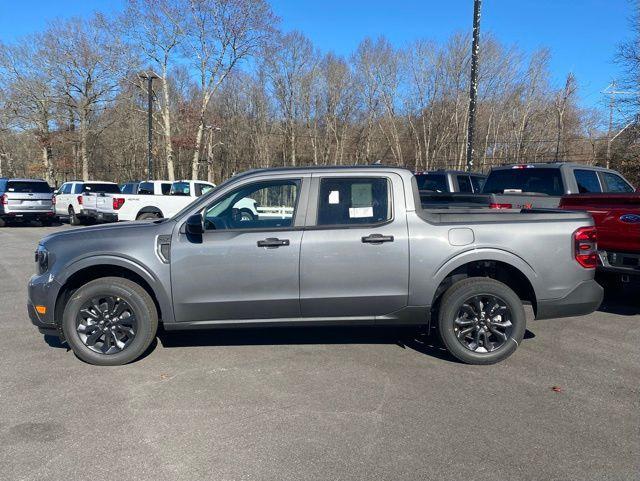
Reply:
x=530, y=180
x=432, y=182
x=28, y=187
x=102, y=188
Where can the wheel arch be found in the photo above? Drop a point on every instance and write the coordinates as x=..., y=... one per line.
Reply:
x=88, y=269
x=149, y=210
x=502, y=266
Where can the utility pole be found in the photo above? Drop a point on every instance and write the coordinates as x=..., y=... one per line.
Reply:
x=473, y=84
x=149, y=76
x=612, y=92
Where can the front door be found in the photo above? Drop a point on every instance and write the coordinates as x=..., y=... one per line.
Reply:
x=354, y=260
x=245, y=265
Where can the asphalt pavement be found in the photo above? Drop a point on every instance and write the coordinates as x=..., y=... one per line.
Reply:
x=318, y=403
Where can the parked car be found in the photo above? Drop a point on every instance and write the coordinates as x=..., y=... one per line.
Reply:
x=617, y=219
x=450, y=181
x=104, y=207
x=355, y=248
x=140, y=206
x=26, y=199
x=69, y=201
x=543, y=184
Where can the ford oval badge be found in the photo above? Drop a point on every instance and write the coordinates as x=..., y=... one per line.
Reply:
x=630, y=218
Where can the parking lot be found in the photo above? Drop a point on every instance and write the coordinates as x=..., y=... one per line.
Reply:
x=318, y=403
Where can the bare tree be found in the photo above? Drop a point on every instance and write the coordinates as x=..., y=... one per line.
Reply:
x=219, y=35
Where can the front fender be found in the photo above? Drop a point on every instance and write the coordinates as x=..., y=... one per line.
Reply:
x=162, y=296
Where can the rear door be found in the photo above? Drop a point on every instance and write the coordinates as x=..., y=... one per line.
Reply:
x=354, y=259
x=28, y=196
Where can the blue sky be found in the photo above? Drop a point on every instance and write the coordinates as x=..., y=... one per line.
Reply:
x=582, y=34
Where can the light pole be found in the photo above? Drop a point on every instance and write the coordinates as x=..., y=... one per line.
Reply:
x=473, y=84
x=149, y=76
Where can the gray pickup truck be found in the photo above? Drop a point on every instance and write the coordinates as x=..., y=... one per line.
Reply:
x=330, y=246
x=542, y=185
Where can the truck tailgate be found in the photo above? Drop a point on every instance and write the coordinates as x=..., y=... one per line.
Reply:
x=617, y=218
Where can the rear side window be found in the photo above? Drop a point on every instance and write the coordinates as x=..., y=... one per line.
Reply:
x=353, y=201
x=464, y=183
x=145, y=188
x=432, y=182
x=165, y=188
x=615, y=183
x=181, y=188
x=28, y=187
x=102, y=188
x=587, y=181
x=477, y=182
x=531, y=180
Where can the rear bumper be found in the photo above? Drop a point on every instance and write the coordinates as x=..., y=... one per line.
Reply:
x=28, y=214
x=624, y=263
x=107, y=217
x=584, y=299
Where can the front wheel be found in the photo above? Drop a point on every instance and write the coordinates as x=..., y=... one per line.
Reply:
x=110, y=321
x=481, y=320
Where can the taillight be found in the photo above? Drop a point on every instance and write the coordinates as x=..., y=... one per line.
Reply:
x=585, y=247
x=117, y=202
x=53, y=200
x=80, y=199
x=500, y=206
x=3, y=199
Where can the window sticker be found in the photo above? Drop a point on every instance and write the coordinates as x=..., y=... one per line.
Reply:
x=334, y=197
x=360, y=212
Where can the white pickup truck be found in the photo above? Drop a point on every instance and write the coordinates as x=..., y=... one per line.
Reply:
x=163, y=203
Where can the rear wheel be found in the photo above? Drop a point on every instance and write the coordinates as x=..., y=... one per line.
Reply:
x=481, y=320
x=73, y=218
x=110, y=321
x=148, y=215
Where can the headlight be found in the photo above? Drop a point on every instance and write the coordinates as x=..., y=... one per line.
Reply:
x=42, y=260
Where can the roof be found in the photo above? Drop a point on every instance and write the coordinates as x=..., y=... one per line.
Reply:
x=449, y=171
x=21, y=179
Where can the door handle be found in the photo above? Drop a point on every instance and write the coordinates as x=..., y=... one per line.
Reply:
x=273, y=242
x=377, y=239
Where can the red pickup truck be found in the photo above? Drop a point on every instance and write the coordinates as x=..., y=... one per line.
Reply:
x=617, y=218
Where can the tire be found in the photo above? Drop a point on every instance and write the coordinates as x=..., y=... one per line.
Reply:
x=73, y=218
x=148, y=215
x=139, y=304
x=470, y=297
x=246, y=214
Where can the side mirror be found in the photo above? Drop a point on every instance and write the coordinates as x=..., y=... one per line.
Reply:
x=194, y=226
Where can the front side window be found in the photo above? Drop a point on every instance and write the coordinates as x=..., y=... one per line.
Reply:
x=202, y=189
x=353, y=201
x=165, y=188
x=261, y=205
x=464, y=183
x=587, y=181
x=66, y=188
x=615, y=183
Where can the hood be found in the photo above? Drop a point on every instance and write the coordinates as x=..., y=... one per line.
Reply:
x=102, y=231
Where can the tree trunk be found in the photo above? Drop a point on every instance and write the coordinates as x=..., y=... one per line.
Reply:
x=84, y=155
x=166, y=118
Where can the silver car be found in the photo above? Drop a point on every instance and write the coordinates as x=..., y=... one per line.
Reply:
x=26, y=199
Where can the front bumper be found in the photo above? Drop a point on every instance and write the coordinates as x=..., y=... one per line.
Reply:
x=584, y=299
x=43, y=291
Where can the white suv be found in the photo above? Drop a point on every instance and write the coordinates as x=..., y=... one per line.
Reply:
x=69, y=198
